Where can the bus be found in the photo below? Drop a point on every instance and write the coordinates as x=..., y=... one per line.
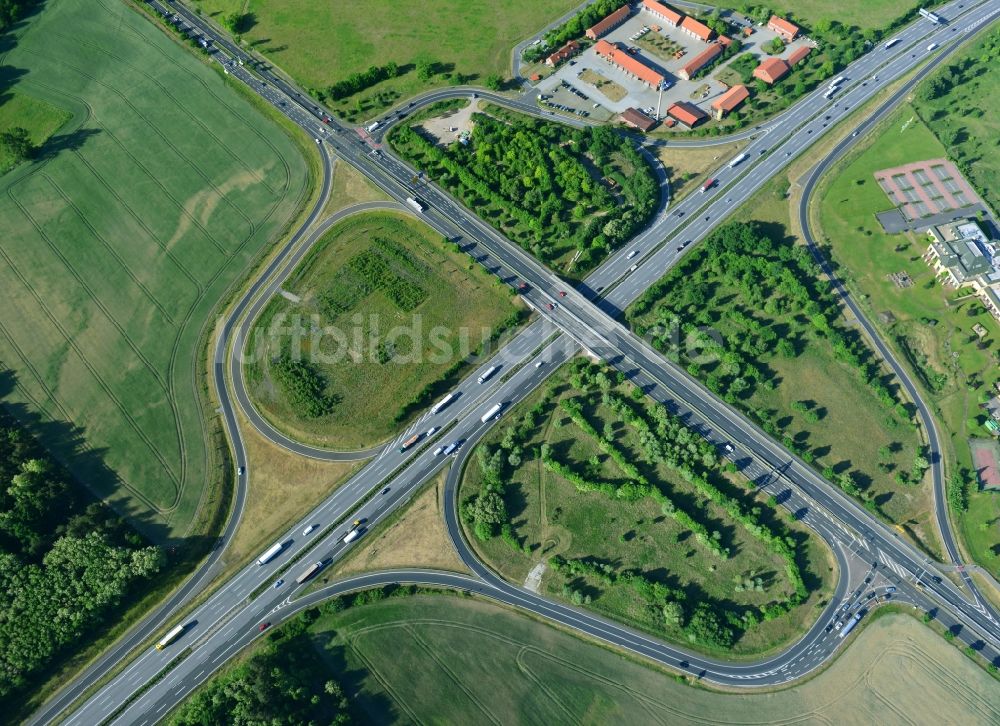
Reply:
x=170, y=637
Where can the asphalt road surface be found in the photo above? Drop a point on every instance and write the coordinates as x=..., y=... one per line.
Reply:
x=236, y=609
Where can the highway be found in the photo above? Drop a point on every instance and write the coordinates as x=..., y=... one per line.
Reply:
x=228, y=614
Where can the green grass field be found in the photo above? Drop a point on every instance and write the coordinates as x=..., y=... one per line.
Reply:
x=550, y=517
x=320, y=44
x=41, y=120
x=932, y=334
x=401, y=349
x=860, y=13
x=139, y=216
x=441, y=659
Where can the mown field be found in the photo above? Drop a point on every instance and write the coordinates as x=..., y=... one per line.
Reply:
x=678, y=549
x=322, y=44
x=118, y=243
x=930, y=330
x=873, y=14
x=395, y=309
x=454, y=660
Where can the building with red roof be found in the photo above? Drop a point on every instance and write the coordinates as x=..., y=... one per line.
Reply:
x=570, y=49
x=786, y=31
x=637, y=119
x=697, y=29
x=687, y=113
x=729, y=101
x=771, y=70
x=632, y=66
x=609, y=23
x=700, y=61
x=798, y=54
x=668, y=15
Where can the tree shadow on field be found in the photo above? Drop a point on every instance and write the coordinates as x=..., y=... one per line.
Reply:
x=376, y=707
x=9, y=76
x=9, y=38
x=71, y=141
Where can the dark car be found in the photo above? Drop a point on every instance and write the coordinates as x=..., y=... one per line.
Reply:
x=264, y=626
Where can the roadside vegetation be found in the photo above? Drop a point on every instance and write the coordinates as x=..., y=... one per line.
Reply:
x=629, y=512
x=381, y=315
x=569, y=196
x=748, y=314
x=450, y=659
x=929, y=326
x=362, y=58
x=68, y=563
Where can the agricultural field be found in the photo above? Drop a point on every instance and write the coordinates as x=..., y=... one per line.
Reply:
x=38, y=118
x=626, y=511
x=434, y=43
x=439, y=658
x=120, y=241
x=930, y=330
x=380, y=314
x=588, y=190
x=780, y=351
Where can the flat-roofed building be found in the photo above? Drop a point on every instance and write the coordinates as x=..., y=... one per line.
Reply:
x=637, y=119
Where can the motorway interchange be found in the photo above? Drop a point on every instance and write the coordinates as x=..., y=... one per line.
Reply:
x=871, y=557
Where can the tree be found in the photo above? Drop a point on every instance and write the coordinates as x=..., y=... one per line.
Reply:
x=494, y=82
x=673, y=613
x=17, y=144
x=425, y=69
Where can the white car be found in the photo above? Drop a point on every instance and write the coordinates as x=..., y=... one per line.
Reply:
x=308, y=529
x=317, y=141
x=438, y=450
x=538, y=364
x=932, y=46
x=631, y=254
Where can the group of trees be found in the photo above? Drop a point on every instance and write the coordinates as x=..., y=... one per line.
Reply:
x=357, y=82
x=535, y=181
x=386, y=266
x=575, y=27
x=302, y=385
x=17, y=145
x=66, y=561
x=13, y=10
x=285, y=682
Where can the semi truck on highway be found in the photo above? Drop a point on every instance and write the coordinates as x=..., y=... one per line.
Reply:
x=271, y=553
x=372, y=126
x=708, y=185
x=309, y=572
x=494, y=410
x=849, y=626
x=442, y=403
x=409, y=442
x=170, y=637
x=892, y=42
x=415, y=204
x=486, y=374
x=351, y=536
x=737, y=160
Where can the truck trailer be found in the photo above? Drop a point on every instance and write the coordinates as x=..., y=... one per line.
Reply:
x=415, y=204
x=849, y=625
x=487, y=373
x=170, y=637
x=442, y=403
x=309, y=572
x=409, y=442
x=494, y=410
x=271, y=553
x=737, y=160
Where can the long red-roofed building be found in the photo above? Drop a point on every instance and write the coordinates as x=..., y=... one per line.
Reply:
x=797, y=55
x=786, y=30
x=633, y=67
x=697, y=29
x=700, y=61
x=729, y=100
x=609, y=23
x=667, y=15
x=570, y=49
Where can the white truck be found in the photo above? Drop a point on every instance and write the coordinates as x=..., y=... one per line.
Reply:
x=442, y=403
x=271, y=553
x=415, y=204
x=170, y=637
x=737, y=160
x=494, y=410
x=486, y=374
x=372, y=126
x=351, y=536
